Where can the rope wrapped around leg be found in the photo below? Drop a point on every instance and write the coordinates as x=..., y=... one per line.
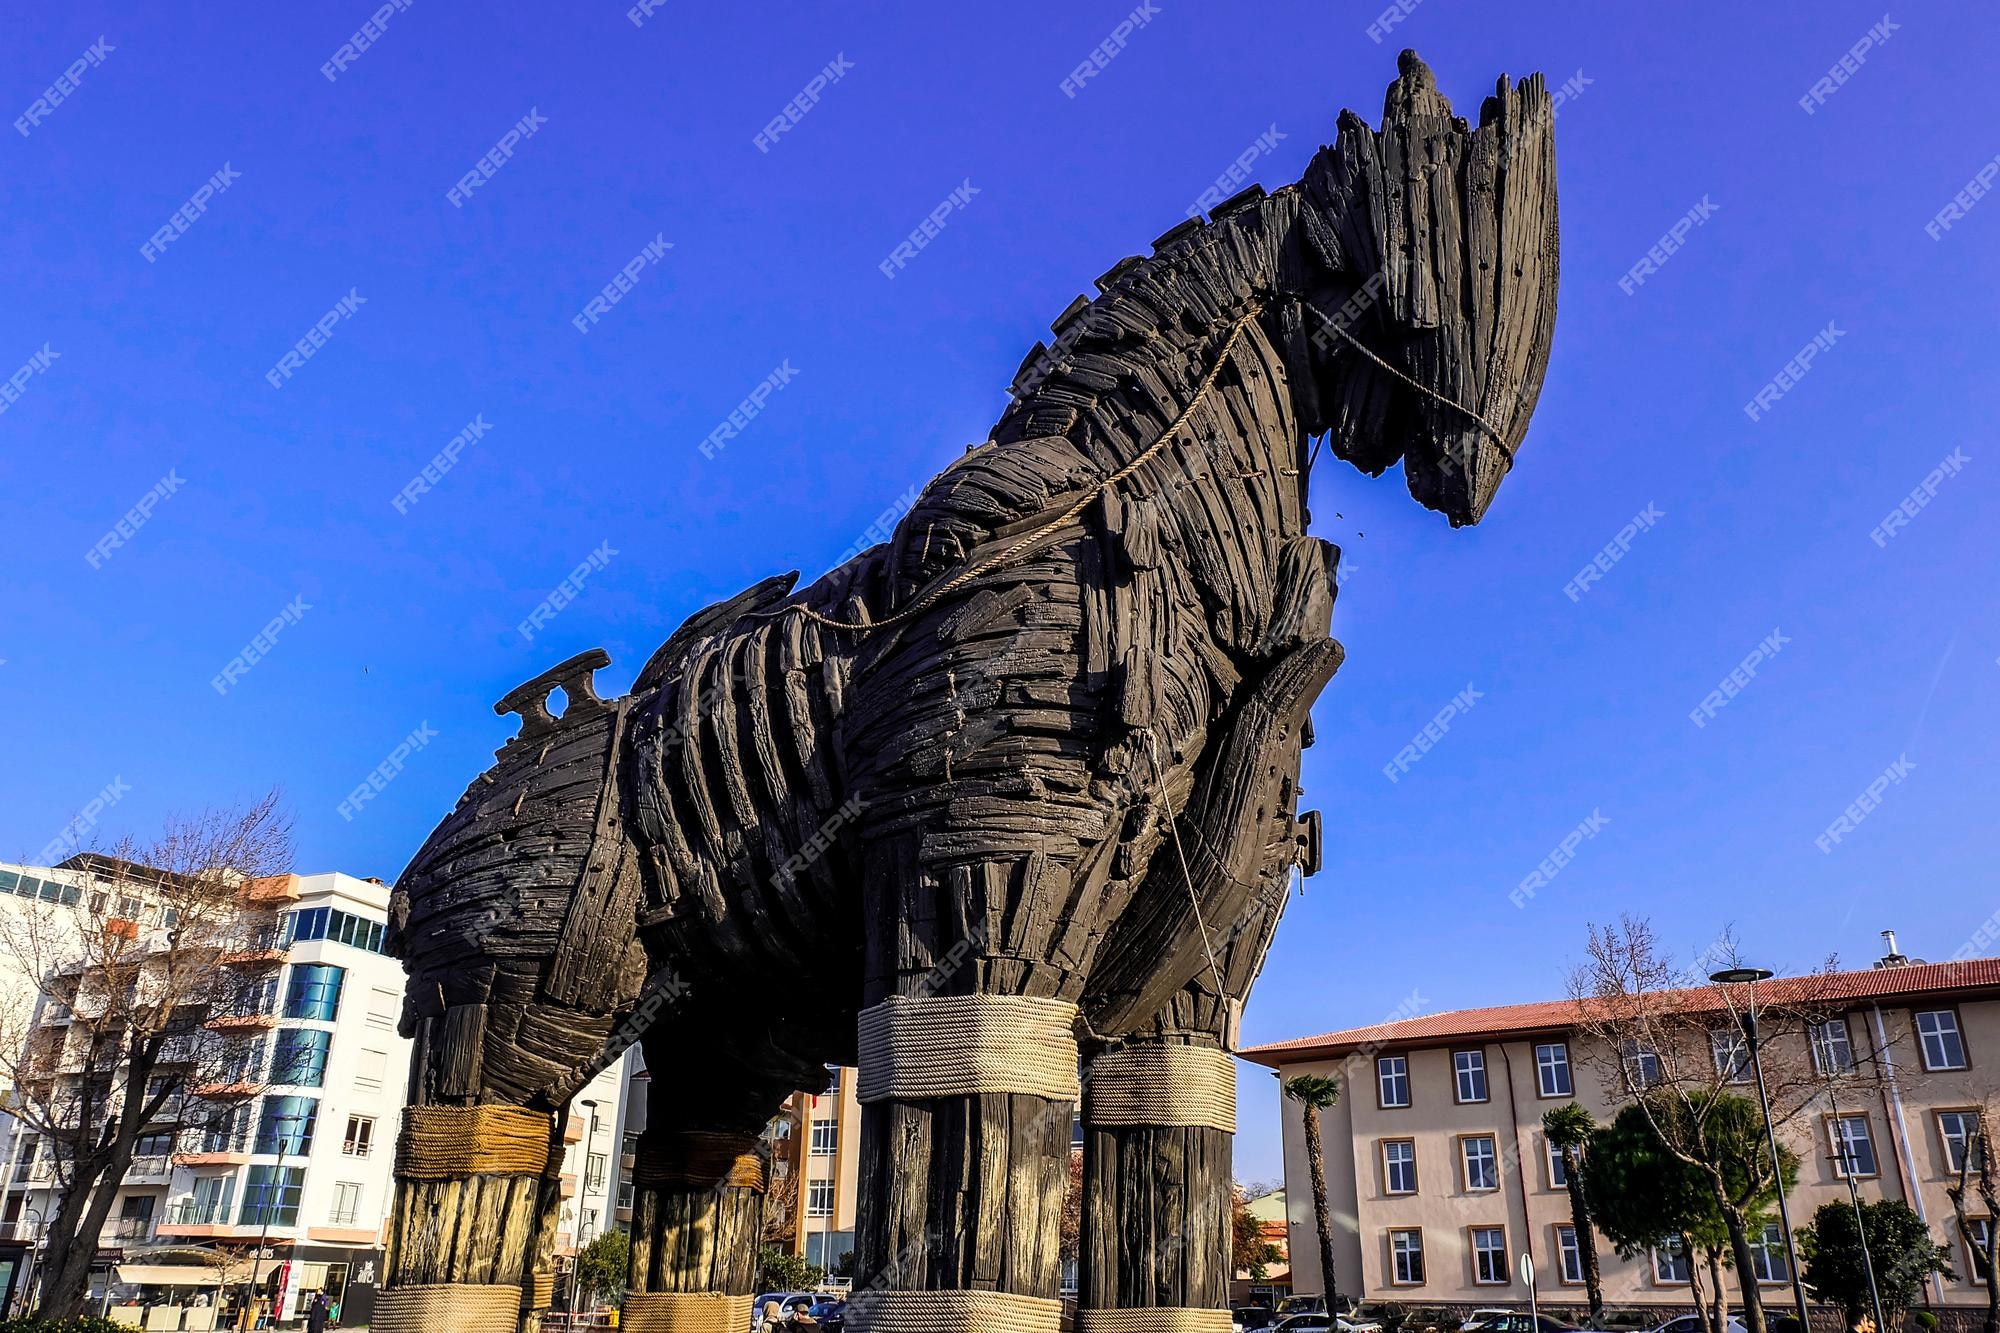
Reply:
x=1164, y=1319
x=447, y=1307
x=953, y=1312
x=684, y=1312
x=913, y=1047
x=448, y=1142
x=695, y=1159
x=1157, y=1084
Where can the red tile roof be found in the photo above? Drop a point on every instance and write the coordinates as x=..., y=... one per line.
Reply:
x=1555, y=1015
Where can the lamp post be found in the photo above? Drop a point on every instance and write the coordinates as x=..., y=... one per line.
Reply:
x=1750, y=976
x=582, y=1197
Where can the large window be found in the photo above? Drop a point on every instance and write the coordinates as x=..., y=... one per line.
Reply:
x=1670, y=1262
x=594, y=1167
x=346, y=1203
x=1482, y=1164
x=314, y=992
x=330, y=923
x=1958, y=1130
x=1853, y=1151
x=286, y=1126
x=1641, y=1064
x=1406, y=1254
x=298, y=1059
x=1731, y=1052
x=1767, y=1255
x=1944, y=1047
x=1977, y=1270
x=819, y=1198
x=1558, y=1178
x=1489, y=1256
x=1392, y=1078
x=359, y=1140
x=1570, y=1254
x=209, y=1202
x=1399, y=1166
x=1552, y=1069
x=271, y=1196
x=1832, y=1052
x=1469, y=1067
x=227, y=1129
x=825, y=1136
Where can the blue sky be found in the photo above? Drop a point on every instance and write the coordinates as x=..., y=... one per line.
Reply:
x=644, y=133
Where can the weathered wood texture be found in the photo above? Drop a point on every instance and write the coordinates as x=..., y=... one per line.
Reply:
x=696, y=1240
x=1155, y=1217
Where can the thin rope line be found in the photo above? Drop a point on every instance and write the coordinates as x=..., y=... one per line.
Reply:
x=928, y=599
x=1491, y=429
x=1187, y=876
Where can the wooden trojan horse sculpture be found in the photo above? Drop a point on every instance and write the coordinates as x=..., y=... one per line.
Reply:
x=1011, y=795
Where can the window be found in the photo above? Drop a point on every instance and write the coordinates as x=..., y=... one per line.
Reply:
x=825, y=1135
x=1489, y=1256
x=1853, y=1152
x=227, y=1129
x=1558, y=1178
x=314, y=992
x=1399, y=1166
x=1732, y=1054
x=299, y=1057
x=346, y=1203
x=359, y=1140
x=1406, y=1258
x=1392, y=1079
x=819, y=1198
x=271, y=1195
x=1569, y=1255
x=370, y=1068
x=1767, y=1255
x=1641, y=1064
x=1482, y=1165
x=594, y=1167
x=1552, y=1069
x=1982, y=1233
x=1832, y=1052
x=157, y=1144
x=1944, y=1048
x=210, y=1200
x=1670, y=1262
x=1470, y=1068
x=1958, y=1130
x=286, y=1127
x=631, y=1148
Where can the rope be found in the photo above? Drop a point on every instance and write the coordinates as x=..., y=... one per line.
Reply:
x=446, y=1142
x=1157, y=1084
x=937, y=591
x=1157, y=1319
x=1187, y=876
x=1498, y=437
x=699, y=1160
x=447, y=1307
x=963, y=1045
x=684, y=1312
x=541, y=1290
x=961, y=1311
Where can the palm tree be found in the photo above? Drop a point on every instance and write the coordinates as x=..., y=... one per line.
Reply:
x=1315, y=1094
x=1568, y=1127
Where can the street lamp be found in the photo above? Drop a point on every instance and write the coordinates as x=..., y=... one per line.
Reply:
x=582, y=1198
x=1750, y=976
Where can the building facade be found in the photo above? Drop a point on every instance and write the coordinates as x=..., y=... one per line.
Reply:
x=1440, y=1176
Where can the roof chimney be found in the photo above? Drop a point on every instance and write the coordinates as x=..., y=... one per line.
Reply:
x=1891, y=957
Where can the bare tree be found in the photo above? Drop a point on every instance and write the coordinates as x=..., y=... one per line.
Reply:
x=117, y=1030
x=1976, y=1177
x=1674, y=1044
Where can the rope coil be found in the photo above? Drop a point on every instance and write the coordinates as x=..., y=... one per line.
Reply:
x=962, y=1311
x=694, y=1159
x=446, y=1142
x=962, y=1045
x=684, y=1312
x=447, y=1307
x=1157, y=1084
x=1160, y=1319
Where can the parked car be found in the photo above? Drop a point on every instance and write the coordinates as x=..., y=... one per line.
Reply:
x=1429, y=1319
x=1251, y=1318
x=1389, y=1314
x=1515, y=1322
x=1691, y=1323
x=830, y=1313
x=1482, y=1316
x=1292, y=1305
x=790, y=1304
x=1322, y=1323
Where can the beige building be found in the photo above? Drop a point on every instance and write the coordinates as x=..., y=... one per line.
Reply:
x=1441, y=1178
x=826, y=1154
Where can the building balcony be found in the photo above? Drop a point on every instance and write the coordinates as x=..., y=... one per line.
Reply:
x=249, y=1018
x=260, y=948
x=154, y=1167
x=233, y=1088
x=568, y=1180
x=129, y=1230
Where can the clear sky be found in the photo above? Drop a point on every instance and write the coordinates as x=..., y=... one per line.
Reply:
x=1799, y=226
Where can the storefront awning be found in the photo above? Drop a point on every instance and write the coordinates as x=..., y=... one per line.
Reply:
x=182, y=1275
